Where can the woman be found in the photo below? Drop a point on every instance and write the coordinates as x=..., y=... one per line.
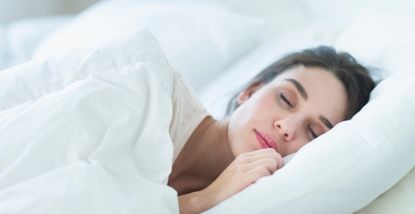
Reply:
x=296, y=99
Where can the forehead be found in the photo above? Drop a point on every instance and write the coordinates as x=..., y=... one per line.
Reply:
x=326, y=94
x=306, y=74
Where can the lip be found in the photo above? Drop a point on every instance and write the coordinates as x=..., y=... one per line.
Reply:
x=265, y=141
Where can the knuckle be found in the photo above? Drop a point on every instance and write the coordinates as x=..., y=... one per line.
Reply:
x=261, y=172
x=242, y=168
x=274, y=163
x=265, y=172
x=270, y=150
x=241, y=157
x=280, y=163
x=278, y=154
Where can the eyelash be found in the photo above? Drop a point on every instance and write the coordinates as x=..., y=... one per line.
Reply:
x=285, y=100
x=313, y=135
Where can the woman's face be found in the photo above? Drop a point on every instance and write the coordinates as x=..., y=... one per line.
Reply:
x=285, y=114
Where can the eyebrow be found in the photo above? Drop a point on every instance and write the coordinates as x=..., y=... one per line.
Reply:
x=299, y=87
x=304, y=94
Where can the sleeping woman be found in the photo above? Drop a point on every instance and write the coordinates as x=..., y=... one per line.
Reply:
x=287, y=105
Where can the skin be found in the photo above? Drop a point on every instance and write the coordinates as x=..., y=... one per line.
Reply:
x=290, y=124
x=221, y=158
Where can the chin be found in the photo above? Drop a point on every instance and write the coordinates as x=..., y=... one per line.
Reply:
x=237, y=151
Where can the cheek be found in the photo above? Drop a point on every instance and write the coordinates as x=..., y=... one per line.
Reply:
x=247, y=117
x=293, y=147
x=253, y=110
x=257, y=109
x=263, y=105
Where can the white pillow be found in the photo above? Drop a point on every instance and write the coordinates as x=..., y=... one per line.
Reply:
x=282, y=15
x=347, y=168
x=23, y=36
x=199, y=39
x=3, y=47
x=384, y=38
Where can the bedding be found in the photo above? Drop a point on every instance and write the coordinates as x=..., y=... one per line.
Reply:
x=392, y=51
x=3, y=47
x=18, y=39
x=99, y=141
x=399, y=198
x=32, y=80
x=199, y=39
x=23, y=36
x=348, y=181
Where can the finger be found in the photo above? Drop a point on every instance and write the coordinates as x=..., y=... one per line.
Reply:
x=266, y=153
x=256, y=173
x=275, y=155
x=260, y=152
x=280, y=161
x=269, y=163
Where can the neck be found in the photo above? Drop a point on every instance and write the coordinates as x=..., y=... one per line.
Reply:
x=204, y=156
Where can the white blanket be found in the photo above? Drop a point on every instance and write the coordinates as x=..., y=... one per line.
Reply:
x=95, y=142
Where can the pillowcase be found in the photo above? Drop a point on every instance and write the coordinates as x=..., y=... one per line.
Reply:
x=199, y=39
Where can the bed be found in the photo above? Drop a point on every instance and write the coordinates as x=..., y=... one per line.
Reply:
x=217, y=46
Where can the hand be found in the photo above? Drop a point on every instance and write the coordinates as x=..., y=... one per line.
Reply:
x=245, y=170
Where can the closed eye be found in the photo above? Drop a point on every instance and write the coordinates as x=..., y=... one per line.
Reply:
x=286, y=100
x=312, y=133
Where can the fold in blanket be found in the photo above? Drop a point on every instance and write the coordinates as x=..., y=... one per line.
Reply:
x=99, y=145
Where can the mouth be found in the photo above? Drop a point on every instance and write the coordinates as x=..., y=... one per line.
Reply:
x=265, y=141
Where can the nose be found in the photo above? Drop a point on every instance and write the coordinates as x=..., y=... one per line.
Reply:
x=286, y=129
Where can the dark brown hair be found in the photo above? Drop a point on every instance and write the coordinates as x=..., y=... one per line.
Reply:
x=354, y=76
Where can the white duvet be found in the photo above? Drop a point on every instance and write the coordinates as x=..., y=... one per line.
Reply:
x=94, y=137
